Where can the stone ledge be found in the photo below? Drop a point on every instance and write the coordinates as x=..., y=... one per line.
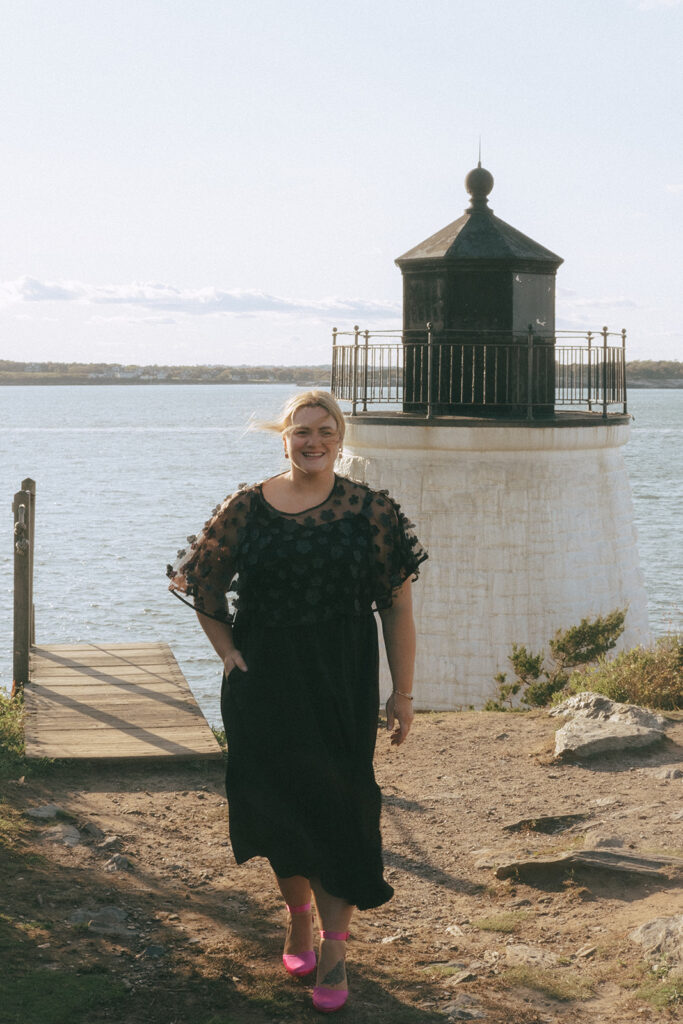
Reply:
x=559, y=419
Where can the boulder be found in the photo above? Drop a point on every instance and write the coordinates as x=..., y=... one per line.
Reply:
x=536, y=868
x=464, y=1007
x=119, y=862
x=67, y=835
x=458, y=979
x=661, y=937
x=668, y=773
x=599, y=725
x=595, y=705
x=46, y=811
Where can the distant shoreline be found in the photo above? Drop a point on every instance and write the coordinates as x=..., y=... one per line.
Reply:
x=69, y=382
x=636, y=385
x=648, y=374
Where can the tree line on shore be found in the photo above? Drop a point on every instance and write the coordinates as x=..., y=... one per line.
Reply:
x=14, y=372
x=664, y=370
x=643, y=372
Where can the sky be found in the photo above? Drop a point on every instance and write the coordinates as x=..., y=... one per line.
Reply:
x=221, y=181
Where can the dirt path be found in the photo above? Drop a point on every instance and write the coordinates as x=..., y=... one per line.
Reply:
x=146, y=918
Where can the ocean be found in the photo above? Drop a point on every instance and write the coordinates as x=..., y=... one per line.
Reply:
x=124, y=474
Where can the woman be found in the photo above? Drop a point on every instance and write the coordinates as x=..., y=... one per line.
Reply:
x=303, y=558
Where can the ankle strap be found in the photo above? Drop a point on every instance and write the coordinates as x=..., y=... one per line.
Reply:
x=303, y=909
x=337, y=936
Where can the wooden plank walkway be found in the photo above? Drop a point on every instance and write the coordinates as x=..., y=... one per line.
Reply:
x=112, y=701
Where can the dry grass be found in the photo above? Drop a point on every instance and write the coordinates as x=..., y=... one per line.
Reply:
x=561, y=984
x=662, y=992
x=506, y=923
x=651, y=677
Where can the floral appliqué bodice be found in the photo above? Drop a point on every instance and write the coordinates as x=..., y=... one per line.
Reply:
x=346, y=556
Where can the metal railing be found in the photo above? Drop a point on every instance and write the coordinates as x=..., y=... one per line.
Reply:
x=461, y=372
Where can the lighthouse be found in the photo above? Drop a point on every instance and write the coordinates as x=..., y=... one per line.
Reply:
x=503, y=438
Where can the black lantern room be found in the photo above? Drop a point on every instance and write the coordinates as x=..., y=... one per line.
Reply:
x=482, y=295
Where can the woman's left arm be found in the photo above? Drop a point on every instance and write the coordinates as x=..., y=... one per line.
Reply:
x=398, y=627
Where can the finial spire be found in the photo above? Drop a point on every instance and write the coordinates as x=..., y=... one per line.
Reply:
x=479, y=164
x=479, y=183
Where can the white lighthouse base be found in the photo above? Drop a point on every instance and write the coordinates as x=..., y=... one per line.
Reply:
x=529, y=530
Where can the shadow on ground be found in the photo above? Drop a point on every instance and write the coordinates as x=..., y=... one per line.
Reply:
x=151, y=970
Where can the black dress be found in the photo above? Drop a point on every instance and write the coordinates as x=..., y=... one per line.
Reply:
x=301, y=723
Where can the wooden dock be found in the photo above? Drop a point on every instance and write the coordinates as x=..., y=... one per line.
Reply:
x=112, y=701
x=97, y=701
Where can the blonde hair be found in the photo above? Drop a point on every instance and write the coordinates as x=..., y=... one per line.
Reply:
x=304, y=400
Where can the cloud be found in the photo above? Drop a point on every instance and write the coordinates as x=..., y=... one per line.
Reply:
x=583, y=311
x=209, y=301
x=606, y=303
x=147, y=321
x=674, y=188
x=588, y=313
x=41, y=291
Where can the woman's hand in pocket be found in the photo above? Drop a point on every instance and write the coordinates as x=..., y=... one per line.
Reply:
x=233, y=659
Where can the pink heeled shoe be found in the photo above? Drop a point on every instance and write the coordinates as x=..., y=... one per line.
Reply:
x=329, y=1000
x=299, y=965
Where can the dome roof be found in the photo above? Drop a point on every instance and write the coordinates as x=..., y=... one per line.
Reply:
x=479, y=237
x=479, y=183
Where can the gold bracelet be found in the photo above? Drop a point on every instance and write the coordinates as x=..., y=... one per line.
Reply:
x=408, y=695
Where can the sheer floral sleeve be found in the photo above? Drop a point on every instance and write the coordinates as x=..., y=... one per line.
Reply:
x=202, y=573
x=398, y=552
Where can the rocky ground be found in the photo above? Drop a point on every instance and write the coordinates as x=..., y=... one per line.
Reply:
x=124, y=903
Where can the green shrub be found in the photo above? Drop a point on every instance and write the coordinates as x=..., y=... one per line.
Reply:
x=12, y=759
x=539, y=677
x=649, y=676
x=220, y=736
x=662, y=993
x=11, y=735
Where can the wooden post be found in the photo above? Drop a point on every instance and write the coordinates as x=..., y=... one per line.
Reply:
x=22, y=589
x=30, y=486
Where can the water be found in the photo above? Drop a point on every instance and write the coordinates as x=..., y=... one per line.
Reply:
x=654, y=458
x=125, y=473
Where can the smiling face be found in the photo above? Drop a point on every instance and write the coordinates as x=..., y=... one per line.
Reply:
x=312, y=442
